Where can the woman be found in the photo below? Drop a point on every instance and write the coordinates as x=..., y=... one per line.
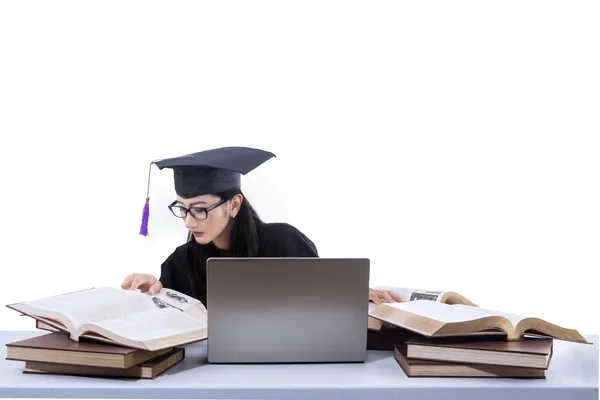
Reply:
x=221, y=222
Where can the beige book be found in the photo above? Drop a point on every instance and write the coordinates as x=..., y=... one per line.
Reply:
x=150, y=369
x=430, y=368
x=433, y=319
x=409, y=294
x=124, y=317
x=527, y=353
x=56, y=347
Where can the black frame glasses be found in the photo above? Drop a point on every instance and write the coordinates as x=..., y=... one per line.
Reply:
x=199, y=213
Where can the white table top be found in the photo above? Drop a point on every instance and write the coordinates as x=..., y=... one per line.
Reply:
x=573, y=375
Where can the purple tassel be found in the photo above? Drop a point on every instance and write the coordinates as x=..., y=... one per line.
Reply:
x=145, y=215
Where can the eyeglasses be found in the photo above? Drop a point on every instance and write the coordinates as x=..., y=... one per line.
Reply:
x=199, y=213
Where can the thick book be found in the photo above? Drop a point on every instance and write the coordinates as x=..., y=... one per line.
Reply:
x=439, y=369
x=123, y=317
x=150, y=369
x=57, y=348
x=409, y=294
x=526, y=353
x=433, y=319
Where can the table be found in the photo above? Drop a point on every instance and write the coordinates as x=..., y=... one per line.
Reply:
x=573, y=375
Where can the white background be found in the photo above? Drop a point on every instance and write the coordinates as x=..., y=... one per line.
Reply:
x=455, y=144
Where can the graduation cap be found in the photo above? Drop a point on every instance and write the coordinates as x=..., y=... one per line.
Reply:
x=207, y=172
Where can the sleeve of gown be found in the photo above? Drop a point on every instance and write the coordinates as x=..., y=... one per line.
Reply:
x=172, y=271
x=175, y=273
x=165, y=273
x=283, y=240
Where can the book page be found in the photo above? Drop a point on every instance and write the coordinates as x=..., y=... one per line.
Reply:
x=179, y=301
x=174, y=299
x=441, y=312
x=152, y=324
x=94, y=305
x=409, y=294
x=513, y=318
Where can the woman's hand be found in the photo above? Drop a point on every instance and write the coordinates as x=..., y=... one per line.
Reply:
x=143, y=282
x=384, y=296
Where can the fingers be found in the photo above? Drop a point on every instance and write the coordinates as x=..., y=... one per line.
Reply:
x=155, y=288
x=374, y=298
x=127, y=282
x=134, y=282
x=386, y=297
x=139, y=281
x=395, y=296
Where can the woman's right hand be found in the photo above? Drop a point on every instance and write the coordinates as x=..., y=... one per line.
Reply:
x=143, y=282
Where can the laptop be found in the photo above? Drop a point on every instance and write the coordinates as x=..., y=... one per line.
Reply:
x=287, y=310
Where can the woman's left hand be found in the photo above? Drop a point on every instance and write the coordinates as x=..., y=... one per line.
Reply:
x=384, y=296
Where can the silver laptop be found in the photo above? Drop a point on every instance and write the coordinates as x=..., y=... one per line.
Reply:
x=287, y=310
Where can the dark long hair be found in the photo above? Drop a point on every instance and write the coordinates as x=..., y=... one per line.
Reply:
x=244, y=239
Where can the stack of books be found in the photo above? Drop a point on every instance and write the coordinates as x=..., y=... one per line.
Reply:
x=436, y=339
x=54, y=353
x=109, y=332
x=457, y=357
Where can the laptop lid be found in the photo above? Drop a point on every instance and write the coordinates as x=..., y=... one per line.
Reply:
x=287, y=310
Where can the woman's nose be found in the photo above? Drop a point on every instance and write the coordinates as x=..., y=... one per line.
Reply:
x=190, y=221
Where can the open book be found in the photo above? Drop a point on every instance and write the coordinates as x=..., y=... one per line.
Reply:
x=409, y=294
x=124, y=317
x=433, y=319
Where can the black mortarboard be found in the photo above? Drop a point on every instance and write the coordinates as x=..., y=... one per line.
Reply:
x=207, y=172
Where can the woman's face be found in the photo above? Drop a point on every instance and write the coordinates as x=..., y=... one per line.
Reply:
x=215, y=222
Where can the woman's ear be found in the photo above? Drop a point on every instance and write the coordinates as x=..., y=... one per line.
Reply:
x=236, y=203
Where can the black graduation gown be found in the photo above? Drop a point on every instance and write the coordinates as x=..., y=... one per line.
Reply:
x=185, y=269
